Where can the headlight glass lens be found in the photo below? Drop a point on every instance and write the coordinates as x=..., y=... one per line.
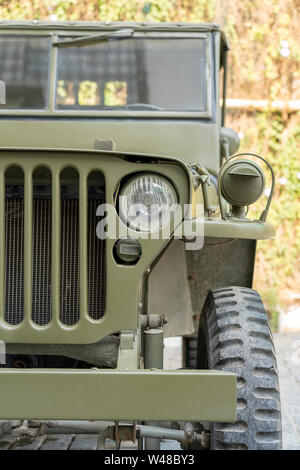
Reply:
x=145, y=202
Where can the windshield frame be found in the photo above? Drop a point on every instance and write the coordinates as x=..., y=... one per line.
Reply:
x=52, y=110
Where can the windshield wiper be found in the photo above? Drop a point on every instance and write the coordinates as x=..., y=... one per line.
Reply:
x=95, y=38
x=139, y=106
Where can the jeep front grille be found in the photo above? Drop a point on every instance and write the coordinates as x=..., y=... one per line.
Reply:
x=60, y=253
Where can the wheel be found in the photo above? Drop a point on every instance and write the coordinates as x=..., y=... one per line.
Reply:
x=234, y=335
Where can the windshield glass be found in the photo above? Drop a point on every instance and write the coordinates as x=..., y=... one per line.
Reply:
x=24, y=65
x=135, y=74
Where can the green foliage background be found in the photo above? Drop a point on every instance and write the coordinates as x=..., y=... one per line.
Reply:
x=259, y=34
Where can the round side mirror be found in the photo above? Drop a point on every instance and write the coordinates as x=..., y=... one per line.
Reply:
x=231, y=137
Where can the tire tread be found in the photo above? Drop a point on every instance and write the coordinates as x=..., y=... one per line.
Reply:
x=239, y=340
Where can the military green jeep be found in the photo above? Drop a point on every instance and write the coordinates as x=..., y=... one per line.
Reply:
x=123, y=219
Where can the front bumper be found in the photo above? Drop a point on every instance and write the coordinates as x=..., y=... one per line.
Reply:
x=141, y=395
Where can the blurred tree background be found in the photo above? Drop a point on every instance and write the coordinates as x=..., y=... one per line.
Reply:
x=264, y=64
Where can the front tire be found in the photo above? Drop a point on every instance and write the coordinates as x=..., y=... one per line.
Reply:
x=234, y=335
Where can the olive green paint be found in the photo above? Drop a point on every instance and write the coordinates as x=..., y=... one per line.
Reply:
x=154, y=348
x=165, y=143
x=121, y=309
x=181, y=395
x=180, y=139
x=178, y=134
x=242, y=182
x=144, y=141
x=235, y=228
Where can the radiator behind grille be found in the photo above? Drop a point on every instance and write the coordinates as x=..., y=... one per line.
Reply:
x=14, y=261
x=41, y=262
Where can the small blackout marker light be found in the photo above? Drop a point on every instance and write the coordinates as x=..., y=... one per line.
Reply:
x=242, y=182
x=127, y=250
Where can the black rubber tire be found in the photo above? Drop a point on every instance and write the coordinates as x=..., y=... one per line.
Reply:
x=234, y=335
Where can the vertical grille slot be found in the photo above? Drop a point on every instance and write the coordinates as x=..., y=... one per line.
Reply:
x=69, y=248
x=28, y=210
x=41, y=247
x=96, y=248
x=69, y=262
x=14, y=246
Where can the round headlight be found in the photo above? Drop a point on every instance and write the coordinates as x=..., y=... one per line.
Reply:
x=145, y=202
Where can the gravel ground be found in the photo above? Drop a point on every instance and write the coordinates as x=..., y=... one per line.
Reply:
x=288, y=356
